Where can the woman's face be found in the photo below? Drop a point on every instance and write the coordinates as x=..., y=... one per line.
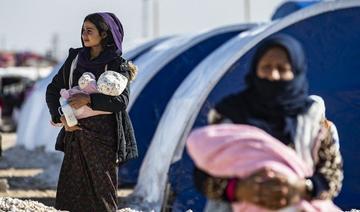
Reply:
x=274, y=65
x=90, y=35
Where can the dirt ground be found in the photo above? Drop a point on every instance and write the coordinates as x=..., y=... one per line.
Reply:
x=30, y=174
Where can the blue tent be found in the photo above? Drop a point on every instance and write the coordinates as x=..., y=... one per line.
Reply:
x=332, y=50
x=161, y=70
x=141, y=49
x=291, y=6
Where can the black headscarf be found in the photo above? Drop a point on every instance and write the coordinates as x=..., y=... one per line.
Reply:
x=108, y=54
x=271, y=105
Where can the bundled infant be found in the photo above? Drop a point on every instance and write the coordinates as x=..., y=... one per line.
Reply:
x=109, y=83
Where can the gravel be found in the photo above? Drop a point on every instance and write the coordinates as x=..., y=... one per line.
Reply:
x=30, y=173
x=17, y=157
x=16, y=205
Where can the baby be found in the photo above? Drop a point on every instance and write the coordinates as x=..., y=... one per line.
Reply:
x=109, y=83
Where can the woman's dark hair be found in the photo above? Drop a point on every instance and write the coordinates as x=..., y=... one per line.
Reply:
x=102, y=27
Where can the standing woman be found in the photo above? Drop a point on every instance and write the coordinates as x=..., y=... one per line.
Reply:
x=95, y=146
x=276, y=101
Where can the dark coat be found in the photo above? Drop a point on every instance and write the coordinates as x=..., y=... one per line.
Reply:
x=126, y=147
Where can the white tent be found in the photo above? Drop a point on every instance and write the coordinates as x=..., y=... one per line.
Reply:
x=34, y=128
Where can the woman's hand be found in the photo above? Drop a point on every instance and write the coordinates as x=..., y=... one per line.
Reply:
x=67, y=128
x=78, y=100
x=269, y=189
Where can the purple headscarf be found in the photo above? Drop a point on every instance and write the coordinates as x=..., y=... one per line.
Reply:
x=116, y=29
x=106, y=56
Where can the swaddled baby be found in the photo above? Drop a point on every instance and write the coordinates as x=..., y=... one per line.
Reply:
x=109, y=83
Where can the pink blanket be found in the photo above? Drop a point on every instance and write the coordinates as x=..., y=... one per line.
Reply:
x=229, y=150
x=84, y=111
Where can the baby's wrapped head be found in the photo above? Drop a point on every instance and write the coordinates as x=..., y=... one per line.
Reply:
x=111, y=83
x=87, y=81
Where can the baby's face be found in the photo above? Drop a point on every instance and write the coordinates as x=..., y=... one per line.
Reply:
x=86, y=79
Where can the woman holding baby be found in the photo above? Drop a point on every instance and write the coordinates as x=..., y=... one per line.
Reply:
x=92, y=80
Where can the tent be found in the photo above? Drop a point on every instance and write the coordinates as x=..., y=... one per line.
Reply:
x=161, y=71
x=289, y=7
x=141, y=49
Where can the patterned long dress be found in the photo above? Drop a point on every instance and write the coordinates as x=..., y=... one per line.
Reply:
x=88, y=175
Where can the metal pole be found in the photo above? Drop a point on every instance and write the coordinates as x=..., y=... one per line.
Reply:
x=247, y=11
x=3, y=43
x=55, y=46
x=156, y=23
x=145, y=18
